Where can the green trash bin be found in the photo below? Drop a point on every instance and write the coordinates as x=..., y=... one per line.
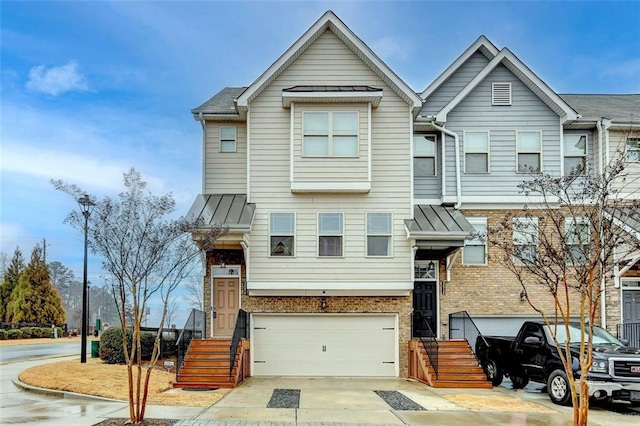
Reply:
x=95, y=349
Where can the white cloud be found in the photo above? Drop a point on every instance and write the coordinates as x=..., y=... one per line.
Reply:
x=57, y=80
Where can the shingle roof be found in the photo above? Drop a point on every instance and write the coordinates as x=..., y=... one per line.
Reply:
x=222, y=102
x=619, y=108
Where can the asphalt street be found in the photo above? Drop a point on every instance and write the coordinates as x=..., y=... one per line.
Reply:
x=45, y=350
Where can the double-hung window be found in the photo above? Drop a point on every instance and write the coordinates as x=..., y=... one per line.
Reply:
x=633, y=150
x=282, y=230
x=577, y=239
x=476, y=152
x=330, y=134
x=475, y=248
x=525, y=239
x=330, y=234
x=379, y=234
x=575, y=154
x=424, y=155
x=227, y=139
x=529, y=152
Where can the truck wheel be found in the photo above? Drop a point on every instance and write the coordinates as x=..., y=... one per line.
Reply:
x=558, y=388
x=519, y=382
x=494, y=374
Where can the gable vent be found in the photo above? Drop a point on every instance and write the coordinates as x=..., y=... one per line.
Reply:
x=501, y=93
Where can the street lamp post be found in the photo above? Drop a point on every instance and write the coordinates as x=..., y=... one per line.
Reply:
x=86, y=206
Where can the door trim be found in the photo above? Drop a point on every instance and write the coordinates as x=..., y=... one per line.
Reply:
x=223, y=271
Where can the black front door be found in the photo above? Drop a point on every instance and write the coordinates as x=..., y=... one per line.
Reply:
x=424, y=309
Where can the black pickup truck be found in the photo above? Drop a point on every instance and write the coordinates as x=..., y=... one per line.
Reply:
x=532, y=356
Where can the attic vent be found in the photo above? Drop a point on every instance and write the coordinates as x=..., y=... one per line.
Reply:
x=500, y=93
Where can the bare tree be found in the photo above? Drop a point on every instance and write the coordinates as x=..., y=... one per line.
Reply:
x=568, y=245
x=172, y=307
x=194, y=292
x=147, y=254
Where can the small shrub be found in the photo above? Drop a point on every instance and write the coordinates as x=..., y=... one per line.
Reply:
x=26, y=332
x=14, y=334
x=111, y=350
x=3, y=334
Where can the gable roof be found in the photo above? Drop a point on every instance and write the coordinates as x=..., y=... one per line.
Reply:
x=621, y=109
x=522, y=72
x=329, y=21
x=482, y=44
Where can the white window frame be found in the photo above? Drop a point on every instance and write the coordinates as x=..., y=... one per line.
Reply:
x=330, y=234
x=222, y=140
x=635, y=149
x=521, y=238
x=520, y=151
x=469, y=151
x=477, y=241
x=388, y=234
x=282, y=234
x=569, y=235
x=434, y=139
x=425, y=270
x=571, y=155
x=331, y=134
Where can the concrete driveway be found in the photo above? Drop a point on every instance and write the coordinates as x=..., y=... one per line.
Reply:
x=315, y=401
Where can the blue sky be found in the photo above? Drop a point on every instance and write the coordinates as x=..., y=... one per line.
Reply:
x=90, y=89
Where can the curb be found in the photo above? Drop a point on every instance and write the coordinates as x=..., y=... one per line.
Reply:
x=62, y=394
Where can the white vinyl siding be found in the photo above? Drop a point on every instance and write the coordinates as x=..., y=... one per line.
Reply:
x=330, y=234
x=225, y=173
x=379, y=234
x=424, y=155
x=476, y=152
x=525, y=239
x=282, y=231
x=575, y=154
x=328, y=61
x=475, y=250
x=228, y=139
x=529, y=152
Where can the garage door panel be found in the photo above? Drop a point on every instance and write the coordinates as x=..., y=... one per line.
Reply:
x=324, y=345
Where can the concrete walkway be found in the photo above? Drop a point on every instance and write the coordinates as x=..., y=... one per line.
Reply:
x=320, y=401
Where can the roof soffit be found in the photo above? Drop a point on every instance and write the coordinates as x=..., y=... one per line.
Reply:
x=524, y=74
x=329, y=21
x=482, y=44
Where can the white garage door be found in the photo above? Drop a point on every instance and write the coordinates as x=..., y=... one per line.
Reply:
x=324, y=345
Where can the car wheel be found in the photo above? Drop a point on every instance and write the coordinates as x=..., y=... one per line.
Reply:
x=519, y=382
x=493, y=372
x=558, y=388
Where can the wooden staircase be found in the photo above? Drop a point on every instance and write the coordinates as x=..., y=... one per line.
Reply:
x=206, y=365
x=457, y=366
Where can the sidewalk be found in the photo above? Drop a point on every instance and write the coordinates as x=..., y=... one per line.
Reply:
x=305, y=401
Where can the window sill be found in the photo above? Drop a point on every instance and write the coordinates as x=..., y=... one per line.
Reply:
x=330, y=187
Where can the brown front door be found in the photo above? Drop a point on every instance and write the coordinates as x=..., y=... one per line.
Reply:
x=225, y=304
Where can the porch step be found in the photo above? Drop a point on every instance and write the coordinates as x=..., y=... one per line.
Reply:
x=206, y=365
x=457, y=365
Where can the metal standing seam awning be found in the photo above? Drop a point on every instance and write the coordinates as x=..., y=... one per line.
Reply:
x=438, y=229
x=230, y=210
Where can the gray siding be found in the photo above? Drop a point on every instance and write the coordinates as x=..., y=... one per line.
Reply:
x=527, y=113
x=454, y=84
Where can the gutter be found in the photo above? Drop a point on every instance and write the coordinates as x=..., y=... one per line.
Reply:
x=456, y=139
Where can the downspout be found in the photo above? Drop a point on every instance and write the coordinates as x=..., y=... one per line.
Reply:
x=600, y=147
x=204, y=150
x=457, y=154
x=603, y=282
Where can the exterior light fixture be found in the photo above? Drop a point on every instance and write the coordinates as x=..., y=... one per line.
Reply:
x=86, y=206
x=523, y=296
x=323, y=303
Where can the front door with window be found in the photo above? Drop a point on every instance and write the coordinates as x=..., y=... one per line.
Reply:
x=631, y=306
x=425, y=297
x=226, y=304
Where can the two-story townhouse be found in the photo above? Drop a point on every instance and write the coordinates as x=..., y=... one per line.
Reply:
x=350, y=198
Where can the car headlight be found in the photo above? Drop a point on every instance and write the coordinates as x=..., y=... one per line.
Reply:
x=599, y=366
